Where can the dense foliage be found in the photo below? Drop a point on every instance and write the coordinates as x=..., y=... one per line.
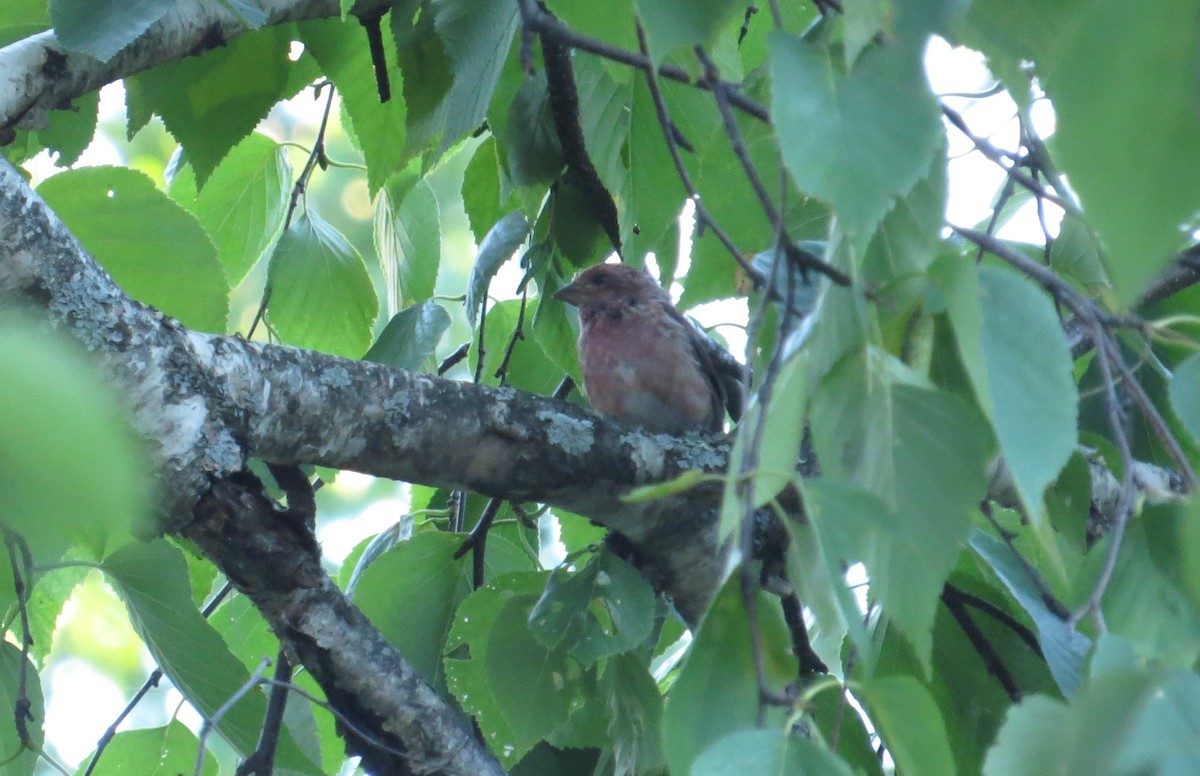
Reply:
x=989, y=529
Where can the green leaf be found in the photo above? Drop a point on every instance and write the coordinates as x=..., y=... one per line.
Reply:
x=926, y=460
x=825, y=503
x=865, y=19
x=717, y=692
x=321, y=295
x=574, y=229
x=941, y=454
x=1030, y=743
x=1185, y=394
x=104, y=27
x=726, y=192
x=411, y=336
x=910, y=724
x=12, y=665
x=209, y=103
x=1024, y=385
x=340, y=47
x=655, y=194
x=674, y=24
x=855, y=746
x=1128, y=719
x=779, y=446
x=434, y=584
x=244, y=204
x=151, y=246
x=46, y=600
x=552, y=327
x=518, y=690
x=856, y=139
x=606, y=608
x=152, y=580
x=758, y=752
x=1077, y=254
x=527, y=367
x=1064, y=648
x=244, y=630
x=426, y=67
x=471, y=40
x=906, y=242
x=1144, y=605
x=1137, y=195
x=408, y=238
x=64, y=436
x=611, y=22
x=823, y=594
x=481, y=189
x=1013, y=33
x=1030, y=394
x=604, y=119
x=500, y=243
x=634, y=715
x=528, y=138
x=69, y=131
x=22, y=18
x=159, y=751
x=853, y=422
x=848, y=320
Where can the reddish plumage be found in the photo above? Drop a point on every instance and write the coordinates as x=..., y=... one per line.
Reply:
x=643, y=361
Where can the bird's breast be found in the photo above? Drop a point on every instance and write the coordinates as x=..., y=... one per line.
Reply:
x=641, y=369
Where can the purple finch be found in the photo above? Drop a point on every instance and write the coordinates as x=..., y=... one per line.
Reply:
x=643, y=362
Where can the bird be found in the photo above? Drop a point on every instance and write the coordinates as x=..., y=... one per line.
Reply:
x=644, y=362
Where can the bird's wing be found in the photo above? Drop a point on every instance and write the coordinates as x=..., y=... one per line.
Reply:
x=726, y=376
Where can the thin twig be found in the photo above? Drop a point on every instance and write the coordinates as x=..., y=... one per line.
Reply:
x=721, y=96
x=262, y=761
x=1000, y=157
x=1050, y=601
x=802, y=258
x=999, y=615
x=316, y=157
x=991, y=659
x=537, y=20
x=342, y=719
x=152, y=681
x=1183, y=273
x=454, y=358
x=1128, y=492
x=703, y=217
x=1157, y=424
x=1108, y=356
x=745, y=484
x=1096, y=319
x=518, y=335
x=745, y=30
x=476, y=541
x=208, y=724
x=22, y=565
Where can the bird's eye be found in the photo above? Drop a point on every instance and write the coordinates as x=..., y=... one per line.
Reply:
x=598, y=280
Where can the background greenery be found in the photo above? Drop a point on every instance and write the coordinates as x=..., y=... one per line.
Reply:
x=1078, y=649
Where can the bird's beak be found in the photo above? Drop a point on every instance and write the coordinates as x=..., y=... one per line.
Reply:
x=571, y=294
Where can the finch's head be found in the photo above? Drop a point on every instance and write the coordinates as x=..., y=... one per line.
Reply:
x=607, y=285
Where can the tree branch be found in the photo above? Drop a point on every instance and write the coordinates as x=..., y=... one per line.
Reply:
x=208, y=403
x=276, y=563
x=38, y=74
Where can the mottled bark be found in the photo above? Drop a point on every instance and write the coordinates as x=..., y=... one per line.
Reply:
x=206, y=404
